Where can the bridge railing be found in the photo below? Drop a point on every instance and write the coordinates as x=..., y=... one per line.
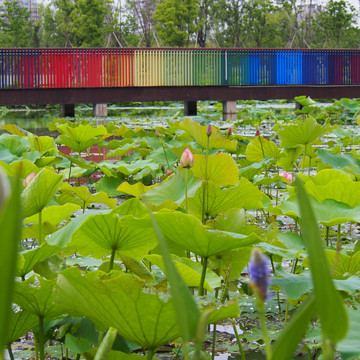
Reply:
x=132, y=67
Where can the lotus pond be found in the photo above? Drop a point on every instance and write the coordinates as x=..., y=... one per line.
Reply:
x=182, y=238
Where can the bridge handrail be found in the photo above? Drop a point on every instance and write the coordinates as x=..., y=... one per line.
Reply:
x=28, y=68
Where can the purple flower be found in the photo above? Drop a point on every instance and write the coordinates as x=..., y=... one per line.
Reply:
x=209, y=131
x=259, y=273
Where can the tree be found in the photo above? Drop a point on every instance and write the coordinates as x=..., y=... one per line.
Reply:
x=89, y=22
x=175, y=21
x=335, y=21
x=15, y=24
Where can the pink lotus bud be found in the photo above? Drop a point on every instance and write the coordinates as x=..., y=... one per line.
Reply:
x=187, y=159
x=168, y=172
x=287, y=176
x=229, y=131
x=257, y=133
x=157, y=133
x=162, y=168
x=28, y=179
x=209, y=131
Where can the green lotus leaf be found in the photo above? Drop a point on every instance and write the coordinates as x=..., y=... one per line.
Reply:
x=303, y=132
x=187, y=231
x=20, y=168
x=288, y=254
x=136, y=189
x=34, y=256
x=40, y=191
x=251, y=170
x=342, y=264
x=119, y=301
x=304, y=100
x=81, y=137
x=123, y=150
x=244, y=195
x=260, y=148
x=159, y=156
x=21, y=322
x=36, y=295
x=109, y=185
x=189, y=270
x=136, y=267
x=347, y=192
x=297, y=285
x=173, y=189
x=100, y=234
x=198, y=133
x=6, y=157
x=17, y=145
x=289, y=156
x=82, y=163
x=231, y=263
x=129, y=169
x=349, y=104
x=221, y=169
x=54, y=214
x=338, y=161
x=47, y=161
x=14, y=130
x=349, y=348
x=80, y=195
x=325, y=176
x=63, y=236
x=131, y=207
x=42, y=144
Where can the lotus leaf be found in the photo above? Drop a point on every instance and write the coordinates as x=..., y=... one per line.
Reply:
x=189, y=270
x=221, y=169
x=120, y=301
x=80, y=195
x=40, y=191
x=136, y=189
x=260, y=148
x=198, y=133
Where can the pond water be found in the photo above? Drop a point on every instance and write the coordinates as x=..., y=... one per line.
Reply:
x=36, y=120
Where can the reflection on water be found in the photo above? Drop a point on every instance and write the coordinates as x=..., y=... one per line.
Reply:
x=37, y=120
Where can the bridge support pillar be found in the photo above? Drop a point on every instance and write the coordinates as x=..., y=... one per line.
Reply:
x=100, y=110
x=229, y=110
x=68, y=110
x=190, y=108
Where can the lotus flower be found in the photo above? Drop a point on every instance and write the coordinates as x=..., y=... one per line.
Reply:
x=209, y=131
x=28, y=179
x=187, y=159
x=287, y=176
x=229, y=131
x=168, y=172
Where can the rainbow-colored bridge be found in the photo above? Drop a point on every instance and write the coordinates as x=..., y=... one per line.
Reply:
x=101, y=75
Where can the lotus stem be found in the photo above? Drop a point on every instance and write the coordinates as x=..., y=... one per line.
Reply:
x=41, y=338
x=106, y=344
x=40, y=227
x=69, y=172
x=11, y=355
x=338, y=240
x=213, y=345
x=150, y=354
x=205, y=188
x=186, y=188
x=277, y=293
x=327, y=236
x=238, y=341
x=203, y=274
x=111, y=264
x=264, y=330
x=84, y=207
x=166, y=158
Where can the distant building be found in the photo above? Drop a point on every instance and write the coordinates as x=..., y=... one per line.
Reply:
x=31, y=5
x=309, y=10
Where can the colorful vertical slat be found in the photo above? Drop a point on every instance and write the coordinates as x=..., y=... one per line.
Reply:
x=114, y=67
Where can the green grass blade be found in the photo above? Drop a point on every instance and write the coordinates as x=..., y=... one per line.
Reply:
x=290, y=337
x=187, y=312
x=10, y=225
x=332, y=313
